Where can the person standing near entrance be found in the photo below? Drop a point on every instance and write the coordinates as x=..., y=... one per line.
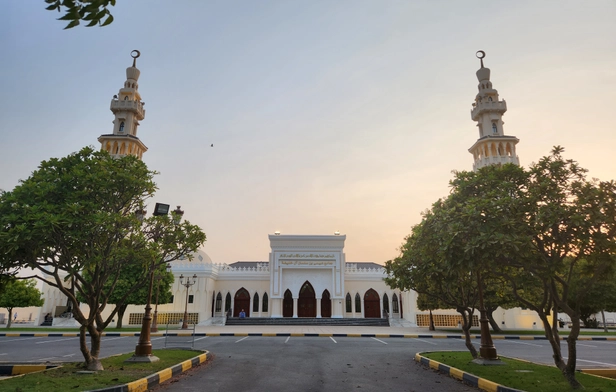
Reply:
x=242, y=314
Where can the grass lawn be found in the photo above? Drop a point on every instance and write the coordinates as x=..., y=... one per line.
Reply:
x=539, y=332
x=116, y=372
x=521, y=375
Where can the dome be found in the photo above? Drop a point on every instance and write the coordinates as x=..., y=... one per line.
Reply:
x=201, y=257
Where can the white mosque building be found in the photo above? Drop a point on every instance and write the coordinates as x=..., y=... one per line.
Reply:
x=303, y=275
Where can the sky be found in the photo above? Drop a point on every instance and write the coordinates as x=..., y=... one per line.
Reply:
x=325, y=116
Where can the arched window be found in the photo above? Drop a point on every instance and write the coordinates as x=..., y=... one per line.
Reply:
x=385, y=303
x=394, y=303
x=264, y=306
x=349, y=306
x=228, y=302
x=122, y=126
x=219, y=303
x=494, y=128
x=255, y=303
x=126, y=98
x=490, y=99
x=357, y=303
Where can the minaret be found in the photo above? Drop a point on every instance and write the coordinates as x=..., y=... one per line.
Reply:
x=493, y=146
x=128, y=110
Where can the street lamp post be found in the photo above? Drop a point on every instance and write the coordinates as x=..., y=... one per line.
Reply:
x=143, y=350
x=187, y=284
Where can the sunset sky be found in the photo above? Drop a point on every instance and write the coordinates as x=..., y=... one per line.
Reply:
x=325, y=115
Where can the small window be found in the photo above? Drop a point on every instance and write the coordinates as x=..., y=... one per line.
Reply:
x=490, y=99
x=191, y=298
x=255, y=303
x=494, y=128
x=394, y=303
x=126, y=98
x=171, y=300
x=264, y=307
x=122, y=126
x=349, y=306
x=357, y=303
x=385, y=303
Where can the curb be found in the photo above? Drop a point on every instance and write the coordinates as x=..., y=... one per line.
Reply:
x=144, y=384
x=302, y=334
x=467, y=378
x=19, y=369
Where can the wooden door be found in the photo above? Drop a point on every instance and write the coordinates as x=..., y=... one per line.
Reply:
x=372, y=304
x=307, y=302
x=241, y=301
x=326, y=305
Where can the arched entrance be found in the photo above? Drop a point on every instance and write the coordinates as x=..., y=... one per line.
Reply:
x=287, y=304
x=307, y=302
x=372, y=304
x=241, y=301
x=326, y=305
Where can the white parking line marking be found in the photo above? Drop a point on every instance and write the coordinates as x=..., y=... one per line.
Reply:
x=379, y=340
x=425, y=341
x=585, y=345
x=69, y=355
x=333, y=339
x=159, y=338
x=288, y=337
x=245, y=337
x=4, y=354
x=600, y=363
x=121, y=337
x=53, y=341
x=205, y=337
x=45, y=359
x=515, y=341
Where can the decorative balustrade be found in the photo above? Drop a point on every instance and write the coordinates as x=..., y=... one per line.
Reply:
x=134, y=106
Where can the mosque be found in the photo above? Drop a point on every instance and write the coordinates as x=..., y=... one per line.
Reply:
x=303, y=275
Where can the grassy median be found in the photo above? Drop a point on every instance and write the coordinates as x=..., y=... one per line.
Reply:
x=521, y=375
x=116, y=372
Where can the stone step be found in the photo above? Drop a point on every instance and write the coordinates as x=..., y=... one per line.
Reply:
x=371, y=322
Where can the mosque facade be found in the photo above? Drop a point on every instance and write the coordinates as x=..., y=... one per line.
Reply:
x=304, y=275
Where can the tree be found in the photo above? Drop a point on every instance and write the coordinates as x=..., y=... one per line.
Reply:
x=534, y=228
x=597, y=299
x=130, y=276
x=91, y=11
x=74, y=221
x=19, y=294
x=424, y=267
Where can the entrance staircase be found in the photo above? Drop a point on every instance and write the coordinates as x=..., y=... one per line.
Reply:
x=360, y=322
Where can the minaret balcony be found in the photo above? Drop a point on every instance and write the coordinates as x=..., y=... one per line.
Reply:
x=488, y=106
x=129, y=106
x=494, y=160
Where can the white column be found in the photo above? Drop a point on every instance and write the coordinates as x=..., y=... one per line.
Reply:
x=318, y=307
x=390, y=298
x=363, y=310
x=294, y=307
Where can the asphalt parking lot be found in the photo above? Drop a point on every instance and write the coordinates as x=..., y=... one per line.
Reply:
x=264, y=363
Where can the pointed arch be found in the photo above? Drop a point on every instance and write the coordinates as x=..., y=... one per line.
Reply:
x=326, y=304
x=386, y=303
x=241, y=301
x=122, y=126
x=287, y=304
x=228, y=302
x=372, y=304
x=357, y=303
x=255, y=303
x=307, y=301
x=265, y=304
x=394, y=304
x=348, y=304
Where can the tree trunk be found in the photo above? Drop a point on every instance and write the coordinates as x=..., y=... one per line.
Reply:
x=466, y=327
x=8, y=323
x=91, y=357
x=569, y=369
x=604, y=323
x=121, y=310
x=495, y=327
x=431, y=322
